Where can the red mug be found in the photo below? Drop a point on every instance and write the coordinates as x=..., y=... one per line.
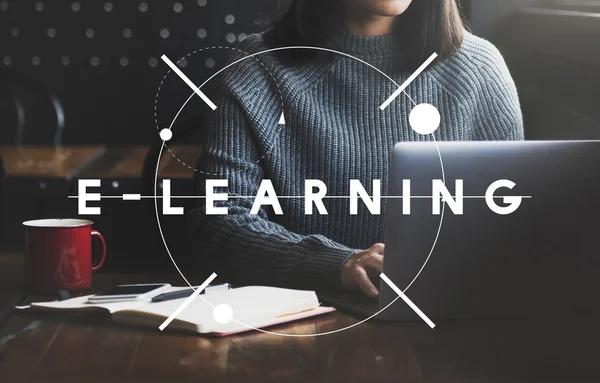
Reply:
x=58, y=254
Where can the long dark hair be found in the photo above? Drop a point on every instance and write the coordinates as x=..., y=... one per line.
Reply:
x=427, y=26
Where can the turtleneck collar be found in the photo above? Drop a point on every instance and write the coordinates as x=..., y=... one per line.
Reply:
x=339, y=38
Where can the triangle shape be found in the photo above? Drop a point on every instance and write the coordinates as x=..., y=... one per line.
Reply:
x=282, y=119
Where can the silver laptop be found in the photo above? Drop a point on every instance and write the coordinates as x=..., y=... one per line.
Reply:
x=542, y=259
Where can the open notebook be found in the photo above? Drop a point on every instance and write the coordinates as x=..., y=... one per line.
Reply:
x=253, y=307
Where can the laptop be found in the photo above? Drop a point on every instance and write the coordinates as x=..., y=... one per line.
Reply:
x=542, y=259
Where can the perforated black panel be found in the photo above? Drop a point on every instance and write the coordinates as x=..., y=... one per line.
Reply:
x=100, y=60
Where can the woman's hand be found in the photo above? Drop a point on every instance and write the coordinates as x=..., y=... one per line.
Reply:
x=362, y=266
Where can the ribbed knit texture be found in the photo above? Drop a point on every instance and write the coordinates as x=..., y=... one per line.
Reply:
x=334, y=132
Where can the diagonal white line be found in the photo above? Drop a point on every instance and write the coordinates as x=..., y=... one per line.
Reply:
x=409, y=81
x=187, y=301
x=407, y=300
x=188, y=82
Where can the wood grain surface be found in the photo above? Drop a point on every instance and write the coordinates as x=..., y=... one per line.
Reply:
x=47, y=161
x=92, y=349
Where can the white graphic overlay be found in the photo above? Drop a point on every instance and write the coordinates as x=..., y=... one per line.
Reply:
x=132, y=197
x=254, y=56
x=166, y=134
x=188, y=82
x=187, y=302
x=223, y=313
x=409, y=81
x=424, y=119
x=407, y=300
x=156, y=197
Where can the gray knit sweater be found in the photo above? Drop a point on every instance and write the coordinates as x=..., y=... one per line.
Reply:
x=334, y=132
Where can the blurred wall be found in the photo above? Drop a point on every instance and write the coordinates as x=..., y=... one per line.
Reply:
x=551, y=48
x=484, y=15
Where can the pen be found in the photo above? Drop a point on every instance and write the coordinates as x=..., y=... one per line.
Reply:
x=187, y=292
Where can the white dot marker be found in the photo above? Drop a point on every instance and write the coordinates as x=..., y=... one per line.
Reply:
x=223, y=313
x=166, y=134
x=424, y=119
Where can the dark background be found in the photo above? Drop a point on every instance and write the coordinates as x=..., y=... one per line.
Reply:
x=98, y=63
x=87, y=72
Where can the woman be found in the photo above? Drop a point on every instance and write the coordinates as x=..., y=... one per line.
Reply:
x=335, y=131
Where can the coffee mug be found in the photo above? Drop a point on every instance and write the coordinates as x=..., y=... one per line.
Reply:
x=58, y=254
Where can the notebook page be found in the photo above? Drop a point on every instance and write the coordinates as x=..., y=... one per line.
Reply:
x=255, y=304
x=80, y=303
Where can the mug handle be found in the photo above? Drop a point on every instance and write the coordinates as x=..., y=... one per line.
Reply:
x=101, y=238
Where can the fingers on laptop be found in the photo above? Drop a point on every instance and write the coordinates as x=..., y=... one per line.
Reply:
x=378, y=248
x=363, y=266
x=373, y=266
x=364, y=283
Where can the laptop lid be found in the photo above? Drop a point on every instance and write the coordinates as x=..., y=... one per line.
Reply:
x=542, y=259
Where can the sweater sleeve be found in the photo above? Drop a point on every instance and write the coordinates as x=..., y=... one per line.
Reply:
x=252, y=248
x=498, y=115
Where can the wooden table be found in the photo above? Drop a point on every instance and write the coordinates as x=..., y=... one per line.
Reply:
x=11, y=277
x=96, y=161
x=127, y=162
x=47, y=161
x=91, y=349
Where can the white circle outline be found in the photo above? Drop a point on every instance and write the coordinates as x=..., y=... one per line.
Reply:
x=271, y=332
